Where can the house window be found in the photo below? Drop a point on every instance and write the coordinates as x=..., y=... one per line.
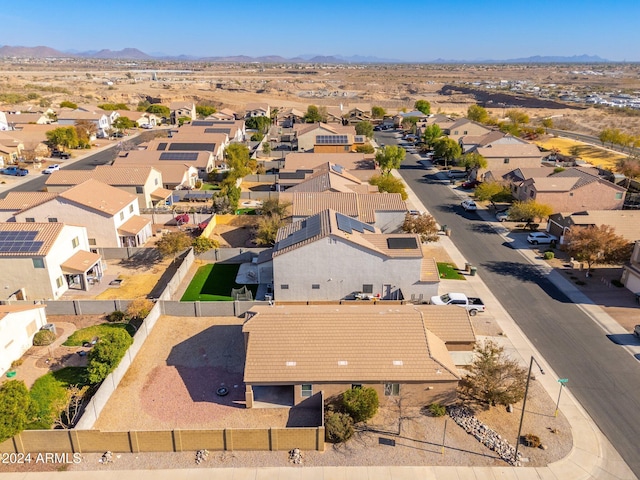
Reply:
x=53, y=220
x=284, y=287
x=315, y=286
x=59, y=282
x=506, y=160
x=30, y=220
x=465, y=132
x=155, y=182
x=346, y=148
x=619, y=196
x=356, y=385
x=306, y=390
x=92, y=241
x=571, y=194
x=139, y=190
x=455, y=132
x=38, y=262
x=75, y=242
x=121, y=216
x=367, y=288
x=391, y=389
x=531, y=194
x=131, y=208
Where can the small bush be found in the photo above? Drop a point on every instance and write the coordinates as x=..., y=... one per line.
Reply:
x=44, y=337
x=139, y=308
x=360, y=403
x=549, y=255
x=116, y=316
x=437, y=409
x=338, y=427
x=531, y=440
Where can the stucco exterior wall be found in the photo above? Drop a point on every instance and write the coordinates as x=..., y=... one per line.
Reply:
x=16, y=334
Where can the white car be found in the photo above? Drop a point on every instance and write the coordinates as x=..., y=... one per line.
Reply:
x=469, y=205
x=535, y=238
x=51, y=168
x=502, y=216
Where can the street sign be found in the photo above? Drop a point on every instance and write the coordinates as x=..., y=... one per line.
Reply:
x=563, y=380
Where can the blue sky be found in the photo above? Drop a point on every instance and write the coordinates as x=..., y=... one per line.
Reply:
x=413, y=30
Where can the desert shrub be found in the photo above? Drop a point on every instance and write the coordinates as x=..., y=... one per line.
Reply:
x=44, y=337
x=139, y=308
x=49, y=397
x=548, y=255
x=116, y=316
x=532, y=440
x=257, y=137
x=437, y=409
x=338, y=427
x=360, y=403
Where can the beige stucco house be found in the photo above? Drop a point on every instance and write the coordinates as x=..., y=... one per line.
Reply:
x=182, y=109
x=18, y=326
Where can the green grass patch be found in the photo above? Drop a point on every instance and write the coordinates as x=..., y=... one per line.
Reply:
x=78, y=337
x=246, y=211
x=213, y=283
x=449, y=272
x=208, y=186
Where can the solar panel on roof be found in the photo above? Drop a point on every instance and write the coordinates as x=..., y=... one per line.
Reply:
x=19, y=242
x=309, y=228
x=162, y=146
x=337, y=168
x=331, y=139
x=348, y=224
x=192, y=147
x=218, y=130
x=182, y=156
x=202, y=123
x=13, y=236
x=402, y=243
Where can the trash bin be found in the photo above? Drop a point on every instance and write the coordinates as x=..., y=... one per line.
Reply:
x=473, y=270
x=467, y=267
x=447, y=232
x=443, y=228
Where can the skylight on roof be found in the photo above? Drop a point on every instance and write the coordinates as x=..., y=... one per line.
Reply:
x=290, y=364
x=398, y=363
x=343, y=363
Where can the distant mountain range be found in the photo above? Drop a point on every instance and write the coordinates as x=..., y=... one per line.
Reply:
x=135, y=54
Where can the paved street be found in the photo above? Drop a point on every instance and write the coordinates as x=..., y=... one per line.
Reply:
x=603, y=376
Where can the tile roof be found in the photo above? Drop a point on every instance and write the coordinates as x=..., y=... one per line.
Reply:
x=360, y=206
x=47, y=234
x=452, y=325
x=161, y=193
x=152, y=158
x=343, y=344
x=429, y=269
x=552, y=184
x=7, y=309
x=109, y=174
x=625, y=222
x=510, y=150
x=180, y=105
x=80, y=262
x=133, y=226
x=99, y=196
x=525, y=173
x=79, y=115
x=16, y=201
x=310, y=161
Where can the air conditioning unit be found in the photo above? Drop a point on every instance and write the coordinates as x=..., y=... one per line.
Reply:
x=49, y=326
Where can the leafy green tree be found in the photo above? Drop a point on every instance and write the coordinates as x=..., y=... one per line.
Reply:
x=123, y=123
x=160, y=110
x=423, y=106
x=16, y=408
x=431, y=134
x=49, y=397
x=266, y=148
x=183, y=120
x=105, y=356
x=472, y=161
x=547, y=123
x=424, y=225
x=260, y=123
x=378, y=112
x=478, y=114
x=204, y=111
x=66, y=137
x=494, y=378
x=257, y=137
x=267, y=230
x=493, y=192
x=364, y=128
x=389, y=184
x=203, y=244
x=365, y=148
x=517, y=117
x=143, y=105
x=315, y=114
x=390, y=157
x=173, y=243
x=272, y=207
x=409, y=123
x=447, y=149
x=114, y=106
x=361, y=403
x=530, y=211
x=239, y=160
x=68, y=104
x=597, y=245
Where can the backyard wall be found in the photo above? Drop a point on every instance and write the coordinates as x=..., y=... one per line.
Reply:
x=230, y=255
x=208, y=309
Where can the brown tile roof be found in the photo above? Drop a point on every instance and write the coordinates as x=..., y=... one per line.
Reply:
x=133, y=226
x=180, y=105
x=343, y=344
x=78, y=115
x=109, y=174
x=516, y=150
x=47, y=234
x=7, y=309
x=171, y=173
x=625, y=222
x=22, y=200
x=324, y=181
x=99, y=196
x=152, y=158
x=161, y=193
x=429, y=269
x=80, y=262
x=451, y=324
x=310, y=161
x=552, y=184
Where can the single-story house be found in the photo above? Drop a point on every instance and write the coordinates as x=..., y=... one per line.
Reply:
x=625, y=222
x=360, y=165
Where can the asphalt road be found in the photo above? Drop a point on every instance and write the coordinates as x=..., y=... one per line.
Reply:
x=603, y=376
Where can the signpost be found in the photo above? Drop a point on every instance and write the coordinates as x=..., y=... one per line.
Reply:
x=561, y=381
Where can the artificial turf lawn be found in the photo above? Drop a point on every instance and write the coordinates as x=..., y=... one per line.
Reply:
x=78, y=337
x=449, y=272
x=213, y=283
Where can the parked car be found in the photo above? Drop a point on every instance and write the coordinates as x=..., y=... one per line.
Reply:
x=636, y=331
x=472, y=304
x=457, y=174
x=147, y=126
x=51, y=168
x=469, y=184
x=535, y=238
x=15, y=171
x=363, y=296
x=60, y=154
x=469, y=205
x=502, y=216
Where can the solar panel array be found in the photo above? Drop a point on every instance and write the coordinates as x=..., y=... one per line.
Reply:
x=162, y=146
x=218, y=130
x=19, y=242
x=202, y=123
x=348, y=224
x=181, y=156
x=402, y=243
x=358, y=139
x=332, y=139
x=192, y=147
x=310, y=228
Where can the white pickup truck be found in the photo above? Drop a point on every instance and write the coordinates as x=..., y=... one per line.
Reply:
x=472, y=304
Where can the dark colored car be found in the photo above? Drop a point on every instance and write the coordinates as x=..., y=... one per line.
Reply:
x=469, y=184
